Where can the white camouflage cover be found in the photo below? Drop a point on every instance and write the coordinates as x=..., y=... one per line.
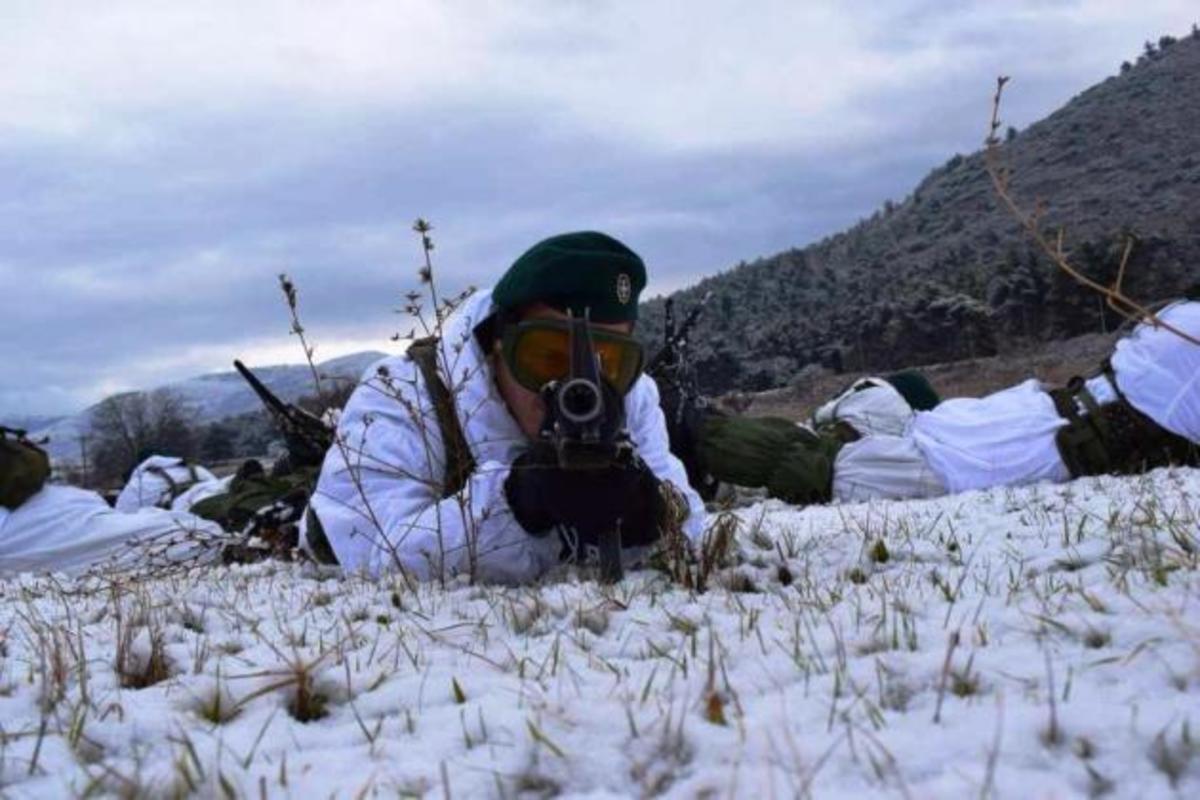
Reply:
x=379, y=493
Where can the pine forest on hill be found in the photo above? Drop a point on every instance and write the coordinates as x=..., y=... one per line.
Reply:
x=947, y=273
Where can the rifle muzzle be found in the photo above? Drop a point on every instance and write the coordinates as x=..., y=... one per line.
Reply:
x=580, y=401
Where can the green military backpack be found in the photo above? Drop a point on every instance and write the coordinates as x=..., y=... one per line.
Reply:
x=252, y=490
x=24, y=468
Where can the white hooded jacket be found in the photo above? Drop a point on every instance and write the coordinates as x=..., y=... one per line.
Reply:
x=871, y=406
x=379, y=495
x=167, y=482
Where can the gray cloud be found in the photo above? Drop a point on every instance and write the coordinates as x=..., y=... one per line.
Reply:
x=153, y=190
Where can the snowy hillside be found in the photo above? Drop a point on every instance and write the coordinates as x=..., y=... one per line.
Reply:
x=1040, y=642
x=219, y=395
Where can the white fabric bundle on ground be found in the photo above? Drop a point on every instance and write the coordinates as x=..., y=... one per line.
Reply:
x=65, y=529
x=871, y=406
x=883, y=467
x=1160, y=372
x=1003, y=439
x=148, y=485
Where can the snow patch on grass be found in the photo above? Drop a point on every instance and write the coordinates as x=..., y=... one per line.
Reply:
x=1009, y=643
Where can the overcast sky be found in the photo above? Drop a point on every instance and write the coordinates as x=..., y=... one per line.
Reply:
x=162, y=162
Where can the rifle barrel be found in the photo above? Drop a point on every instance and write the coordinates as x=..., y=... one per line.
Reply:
x=260, y=389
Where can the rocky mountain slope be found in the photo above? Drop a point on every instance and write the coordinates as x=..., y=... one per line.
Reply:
x=946, y=274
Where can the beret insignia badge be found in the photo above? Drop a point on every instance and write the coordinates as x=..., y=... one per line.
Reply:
x=624, y=288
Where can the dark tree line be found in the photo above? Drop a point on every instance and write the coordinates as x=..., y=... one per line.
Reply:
x=127, y=428
x=769, y=320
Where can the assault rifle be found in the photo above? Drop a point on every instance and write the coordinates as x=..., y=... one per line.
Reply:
x=307, y=437
x=679, y=393
x=585, y=424
x=672, y=357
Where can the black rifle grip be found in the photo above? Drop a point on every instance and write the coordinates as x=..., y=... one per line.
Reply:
x=610, y=556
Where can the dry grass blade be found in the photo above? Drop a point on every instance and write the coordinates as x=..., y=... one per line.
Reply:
x=693, y=567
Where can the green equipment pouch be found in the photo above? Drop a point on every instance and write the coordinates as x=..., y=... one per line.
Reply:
x=1114, y=437
x=1080, y=442
x=234, y=508
x=745, y=451
x=460, y=463
x=804, y=475
x=24, y=468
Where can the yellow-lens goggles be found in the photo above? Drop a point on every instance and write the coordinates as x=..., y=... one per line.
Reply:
x=539, y=351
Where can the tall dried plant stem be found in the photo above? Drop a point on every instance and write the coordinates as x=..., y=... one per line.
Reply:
x=1114, y=295
x=442, y=309
x=289, y=293
x=291, y=297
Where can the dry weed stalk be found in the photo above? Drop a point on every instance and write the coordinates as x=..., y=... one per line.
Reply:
x=181, y=551
x=693, y=567
x=403, y=390
x=289, y=293
x=424, y=415
x=291, y=298
x=1054, y=248
x=139, y=662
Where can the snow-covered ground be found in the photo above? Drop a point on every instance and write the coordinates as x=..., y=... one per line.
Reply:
x=1041, y=642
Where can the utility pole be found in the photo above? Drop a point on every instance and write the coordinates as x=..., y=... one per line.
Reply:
x=83, y=455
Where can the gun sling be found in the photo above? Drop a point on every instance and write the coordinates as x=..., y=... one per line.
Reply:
x=174, y=488
x=460, y=463
x=1114, y=437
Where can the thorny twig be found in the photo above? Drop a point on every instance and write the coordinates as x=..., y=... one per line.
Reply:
x=1115, y=295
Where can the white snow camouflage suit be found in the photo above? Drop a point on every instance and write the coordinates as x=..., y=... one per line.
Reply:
x=379, y=495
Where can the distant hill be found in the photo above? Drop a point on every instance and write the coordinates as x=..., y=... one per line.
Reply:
x=31, y=422
x=217, y=396
x=947, y=274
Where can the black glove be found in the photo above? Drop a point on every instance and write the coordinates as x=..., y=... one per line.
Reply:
x=541, y=495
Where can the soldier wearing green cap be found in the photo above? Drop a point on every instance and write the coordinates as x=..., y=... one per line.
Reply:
x=442, y=465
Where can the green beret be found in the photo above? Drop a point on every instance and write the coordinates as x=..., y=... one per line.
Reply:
x=915, y=389
x=576, y=271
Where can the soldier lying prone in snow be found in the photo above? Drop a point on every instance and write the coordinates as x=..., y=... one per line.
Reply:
x=1140, y=410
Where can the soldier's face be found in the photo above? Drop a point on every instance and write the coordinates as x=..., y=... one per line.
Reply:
x=525, y=405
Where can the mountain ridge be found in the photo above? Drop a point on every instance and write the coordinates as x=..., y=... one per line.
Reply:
x=947, y=274
x=215, y=396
